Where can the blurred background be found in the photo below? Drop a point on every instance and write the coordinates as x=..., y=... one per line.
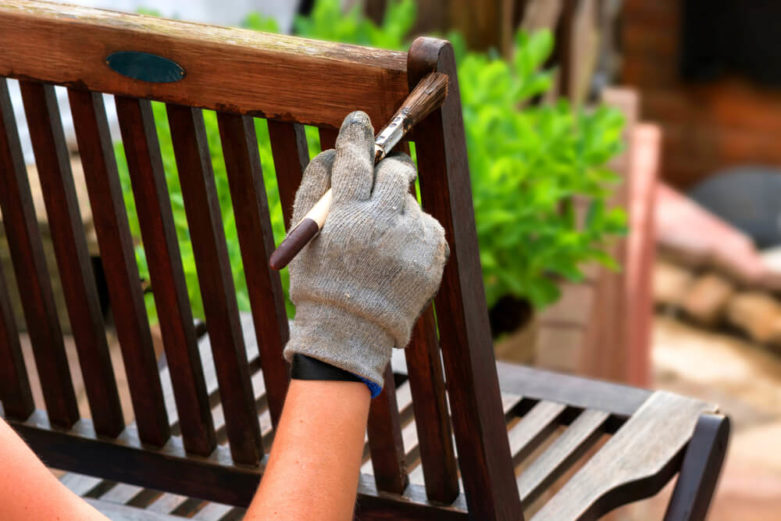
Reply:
x=625, y=167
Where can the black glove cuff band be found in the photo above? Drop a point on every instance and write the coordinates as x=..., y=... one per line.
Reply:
x=308, y=368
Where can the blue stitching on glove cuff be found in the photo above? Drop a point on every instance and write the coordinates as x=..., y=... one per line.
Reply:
x=374, y=388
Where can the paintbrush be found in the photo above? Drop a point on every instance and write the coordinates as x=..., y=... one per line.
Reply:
x=427, y=96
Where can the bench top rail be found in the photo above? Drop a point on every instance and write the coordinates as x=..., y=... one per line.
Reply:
x=234, y=70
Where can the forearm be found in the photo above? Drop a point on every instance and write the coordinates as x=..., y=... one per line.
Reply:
x=315, y=461
x=30, y=491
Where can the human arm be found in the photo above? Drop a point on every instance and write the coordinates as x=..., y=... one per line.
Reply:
x=30, y=491
x=315, y=462
x=358, y=288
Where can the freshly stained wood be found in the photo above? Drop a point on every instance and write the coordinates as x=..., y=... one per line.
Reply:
x=119, y=264
x=253, y=225
x=24, y=241
x=465, y=336
x=224, y=68
x=427, y=384
x=328, y=137
x=533, y=428
x=385, y=443
x=640, y=453
x=70, y=248
x=564, y=451
x=155, y=219
x=15, y=393
x=169, y=468
x=207, y=233
x=291, y=155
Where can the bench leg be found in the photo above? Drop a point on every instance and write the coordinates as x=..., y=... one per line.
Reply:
x=700, y=470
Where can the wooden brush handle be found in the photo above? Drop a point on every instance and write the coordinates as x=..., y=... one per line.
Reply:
x=427, y=96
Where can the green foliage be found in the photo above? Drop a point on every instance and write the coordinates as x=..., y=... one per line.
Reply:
x=527, y=163
x=226, y=207
x=328, y=22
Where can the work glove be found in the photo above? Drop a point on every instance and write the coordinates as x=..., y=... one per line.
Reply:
x=361, y=283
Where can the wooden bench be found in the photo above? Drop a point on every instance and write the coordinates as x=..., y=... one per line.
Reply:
x=457, y=437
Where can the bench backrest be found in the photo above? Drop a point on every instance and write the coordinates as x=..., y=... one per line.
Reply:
x=242, y=75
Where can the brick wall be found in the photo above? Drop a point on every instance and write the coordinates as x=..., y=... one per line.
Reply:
x=707, y=127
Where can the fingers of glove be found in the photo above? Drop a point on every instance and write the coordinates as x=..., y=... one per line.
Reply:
x=428, y=231
x=314, y=183
x=353, y=171
x=392, y=178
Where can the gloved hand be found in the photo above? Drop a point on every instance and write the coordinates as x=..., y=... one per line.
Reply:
x=361, y=283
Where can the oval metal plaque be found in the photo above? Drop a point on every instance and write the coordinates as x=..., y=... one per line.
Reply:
x=145, y=66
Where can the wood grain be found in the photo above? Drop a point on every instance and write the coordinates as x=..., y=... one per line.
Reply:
x=207, y=235
x=119, y=264
x=557, y=458
x=73, y=261
x=15, y=393
x=634, y=464
x=328, y=137
x=620, y=400
x=291, y=155
x=465, y=336
x=155, y=219
x=24, y=241
x=170, y=468
x=227, y=69
x=534, y=428
x=385, y=443
x=253, y=225
x=432, y=418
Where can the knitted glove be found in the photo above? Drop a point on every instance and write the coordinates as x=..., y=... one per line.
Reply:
x=361, y=283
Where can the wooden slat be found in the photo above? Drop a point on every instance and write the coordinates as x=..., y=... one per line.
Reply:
x=253, y=225
x=385, y=443
x=24, y=241
x=432, y=419
x=15, y=393
x=207, y=234
x=78, y=483
x=119, y=264
x=169, y=468
x=166, y=503
x=565, y=450
x=533, y=428
x=121, y=493
x=217, y=512
x=640, y=453
x=465, y=336
x=126, y=513
x=328, y=137
x=620, y=400
x=155, y=218
x=224, y=68
x=71, y=252
x=70, y=248
x=291, y=155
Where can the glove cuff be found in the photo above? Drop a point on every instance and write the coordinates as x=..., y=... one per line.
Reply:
x=342, y=339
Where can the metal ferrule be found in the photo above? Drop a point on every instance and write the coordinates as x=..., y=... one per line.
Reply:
x=389, y=137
